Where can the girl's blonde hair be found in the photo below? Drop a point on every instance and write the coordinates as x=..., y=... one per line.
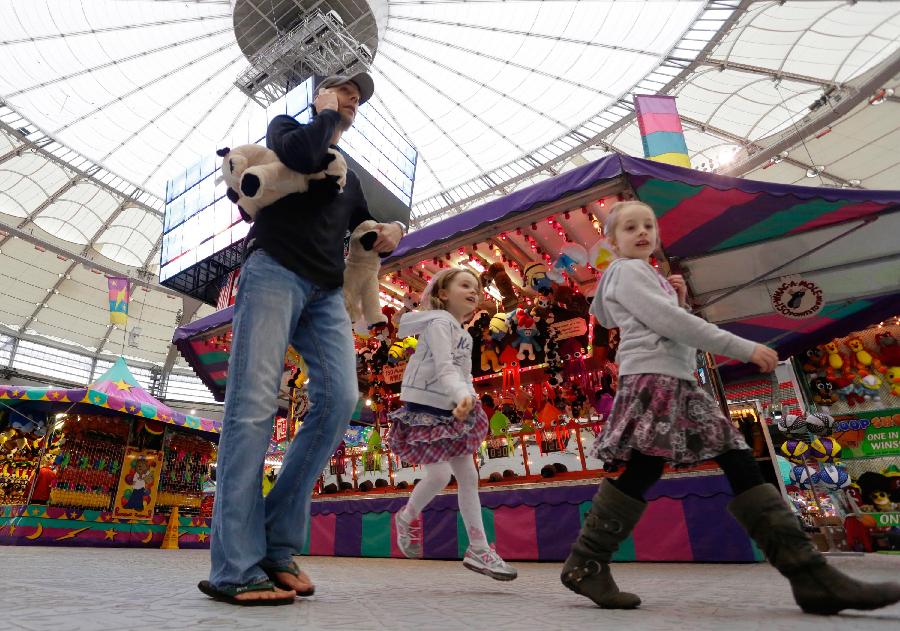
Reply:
x=442, y=280
x=612, y=219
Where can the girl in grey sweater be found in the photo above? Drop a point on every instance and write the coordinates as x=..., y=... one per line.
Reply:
x=661, y=415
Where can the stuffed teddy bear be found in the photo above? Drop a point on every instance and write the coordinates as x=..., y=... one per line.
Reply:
x=361, y=294
x=496, y=274
x=823, y=392
x=256, y=178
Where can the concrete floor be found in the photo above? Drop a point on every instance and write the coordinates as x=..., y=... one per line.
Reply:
x=73, y=588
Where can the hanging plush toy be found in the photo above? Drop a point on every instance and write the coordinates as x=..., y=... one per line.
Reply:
x=554, y=361
x=389, y=312
x=535, y=276
x=497, y=275
x=542, y=312
x=527, y=331
x=361, y=293
x=601, y=255
x=570, y=255
x=490, y=357
x=499, y=325
x=401, y=350
x=256, y=178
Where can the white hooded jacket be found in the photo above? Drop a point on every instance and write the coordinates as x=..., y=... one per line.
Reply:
x=439, y=373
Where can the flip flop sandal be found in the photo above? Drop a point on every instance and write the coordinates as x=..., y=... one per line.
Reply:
x=290, y=568
x=228, y=594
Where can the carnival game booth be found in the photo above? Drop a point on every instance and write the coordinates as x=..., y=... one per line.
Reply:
x=844, y=475
x=546, y=373
x=120, y=462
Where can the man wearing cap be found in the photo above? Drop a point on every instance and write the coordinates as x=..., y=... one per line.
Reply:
x=289, y=292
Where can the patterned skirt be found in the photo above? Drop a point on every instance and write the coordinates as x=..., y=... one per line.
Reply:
x=665, y=416
x=426, y=437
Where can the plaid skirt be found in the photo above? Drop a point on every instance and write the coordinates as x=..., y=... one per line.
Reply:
x=424, y=436
x=665, y=416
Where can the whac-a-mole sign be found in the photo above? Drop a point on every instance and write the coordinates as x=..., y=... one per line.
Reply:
x=798, y=298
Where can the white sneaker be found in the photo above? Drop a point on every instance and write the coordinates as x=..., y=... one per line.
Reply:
x=409, y=537
x=488, y=562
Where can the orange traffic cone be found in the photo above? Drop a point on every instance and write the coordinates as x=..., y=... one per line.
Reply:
x=170, y=539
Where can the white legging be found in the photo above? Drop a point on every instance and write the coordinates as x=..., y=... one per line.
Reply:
x=437, y=476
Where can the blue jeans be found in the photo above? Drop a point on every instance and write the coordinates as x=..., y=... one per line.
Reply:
x=275, y=306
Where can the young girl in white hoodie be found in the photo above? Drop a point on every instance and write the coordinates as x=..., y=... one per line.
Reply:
x=441, y=423
x=661, y=415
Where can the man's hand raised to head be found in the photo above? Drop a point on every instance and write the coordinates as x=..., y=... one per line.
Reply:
x=326, y=100
x=389, y=235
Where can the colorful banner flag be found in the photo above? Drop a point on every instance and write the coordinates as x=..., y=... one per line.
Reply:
x=661, y=132
x=119, y=294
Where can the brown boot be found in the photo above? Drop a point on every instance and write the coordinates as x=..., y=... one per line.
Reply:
x=609, y=522
x=818, y=587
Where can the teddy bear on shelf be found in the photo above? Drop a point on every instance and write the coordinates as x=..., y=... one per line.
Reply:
x=823, y=392
x=527, y=331
x=835, y=364
x=361, y=293
x=864, y=362
x=813, y=360
x=888, y=348
x=256, y=178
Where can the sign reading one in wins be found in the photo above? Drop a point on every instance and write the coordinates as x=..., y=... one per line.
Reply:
x=886, y=520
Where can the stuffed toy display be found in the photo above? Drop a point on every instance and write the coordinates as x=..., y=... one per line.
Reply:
x=256, y=178
x=361, y=294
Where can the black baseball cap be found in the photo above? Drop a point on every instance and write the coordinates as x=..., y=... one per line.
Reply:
x=362, y=80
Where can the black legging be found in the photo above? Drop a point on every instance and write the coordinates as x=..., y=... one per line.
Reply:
x=642, y=472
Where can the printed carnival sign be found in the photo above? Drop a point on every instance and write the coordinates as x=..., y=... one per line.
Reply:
x=394, y=374
x=138, y=484
x=871, y=434
x=797, y=298
x=569, y=328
